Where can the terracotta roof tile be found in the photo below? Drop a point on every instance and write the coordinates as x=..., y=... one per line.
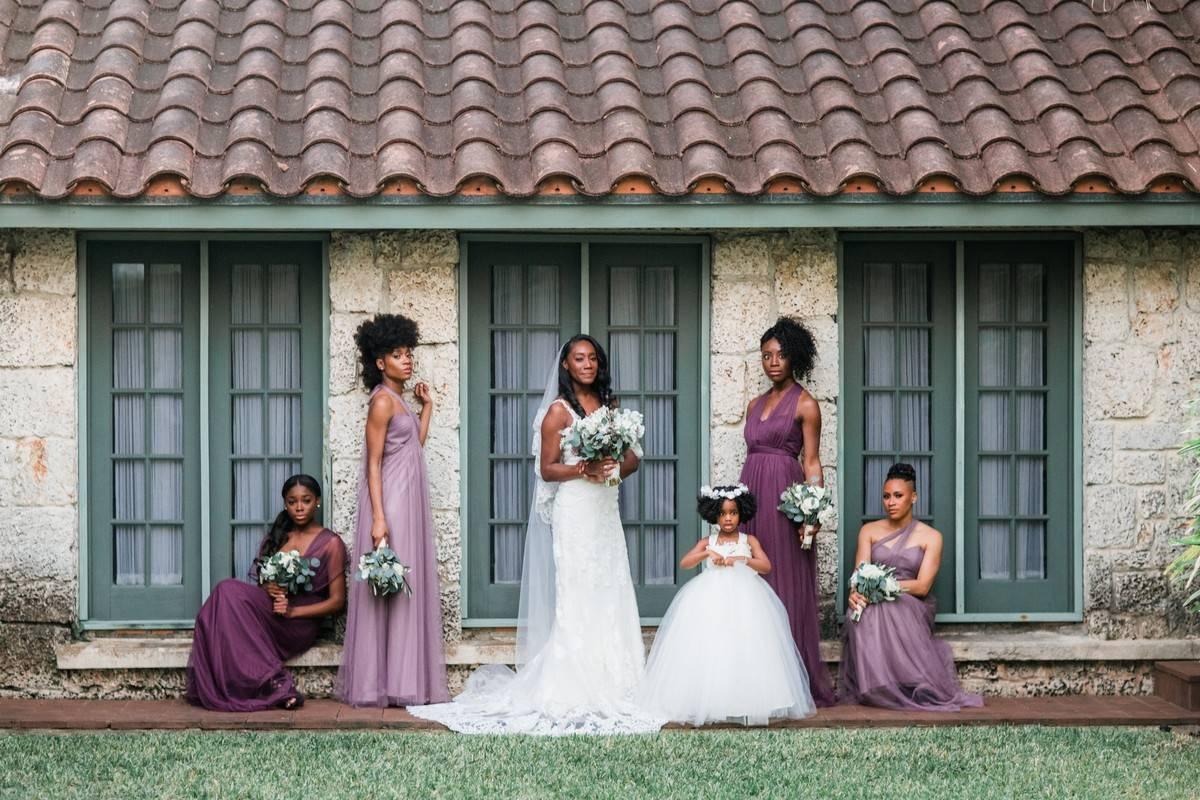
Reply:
x=679, y=95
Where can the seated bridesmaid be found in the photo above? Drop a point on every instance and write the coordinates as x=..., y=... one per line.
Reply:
x=245, y=631
x=890, y=657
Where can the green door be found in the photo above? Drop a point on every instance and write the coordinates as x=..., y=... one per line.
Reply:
x=645, y=309
x=1019, y=363
x=144, y=542
x=899, y=387
x=265, y=415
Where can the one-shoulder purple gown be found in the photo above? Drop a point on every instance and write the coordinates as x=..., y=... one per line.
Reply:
x=773, y=446
x=890, y=657
x=240, y=643
x=393, y=653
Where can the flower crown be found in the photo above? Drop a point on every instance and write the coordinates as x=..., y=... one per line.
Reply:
x=724, y=492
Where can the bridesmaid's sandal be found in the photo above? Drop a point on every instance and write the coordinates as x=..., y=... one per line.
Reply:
x=293, y=702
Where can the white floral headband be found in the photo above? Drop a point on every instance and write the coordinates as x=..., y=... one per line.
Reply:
x=731, y=493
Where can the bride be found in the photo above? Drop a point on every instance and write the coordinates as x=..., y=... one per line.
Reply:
x=580, y=655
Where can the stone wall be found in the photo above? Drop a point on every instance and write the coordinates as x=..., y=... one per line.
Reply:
x=1141, y=370
x=757, y=277
x=38, y=453
x=415, y=274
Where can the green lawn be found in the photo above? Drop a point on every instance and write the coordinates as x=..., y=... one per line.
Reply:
x=991, y=763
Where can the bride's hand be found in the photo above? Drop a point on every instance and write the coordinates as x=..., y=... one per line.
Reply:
x=598, y=471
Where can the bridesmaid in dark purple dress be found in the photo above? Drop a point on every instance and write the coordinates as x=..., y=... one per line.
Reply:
x=890, y=657
x=782, y=426
x=244, y=632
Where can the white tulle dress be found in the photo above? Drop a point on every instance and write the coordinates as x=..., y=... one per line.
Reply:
x=724, y=652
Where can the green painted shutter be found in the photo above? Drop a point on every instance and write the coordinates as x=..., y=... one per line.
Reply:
x=265, y=420
x=645, y=309
x=143, y=473
x=899, y=317
x=1018, y=537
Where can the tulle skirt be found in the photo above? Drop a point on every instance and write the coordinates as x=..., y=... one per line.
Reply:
x=725, y=653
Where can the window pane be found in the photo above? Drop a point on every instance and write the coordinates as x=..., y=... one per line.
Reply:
x=246, y=297
x=993, y=422
x=507, y=359
x=247, y=425
x=631, y=552
x=874, y=472
x=249, y=481
x=129, y=549
x=129, y=359
x=543, y=348
x=277, y=474
x=128, y=294
x=166, y=491
x=166, y=293
x=658, y=300
x=166, y=555
x=283, y=424
x=246, y=350
x=283, y=302
x=993, y=551
x=1030, y=293
x=660, y=426
x=543, y=296
x=880, y=362
x=914, y=293
x=660, y=554
x=508, y=294
x=1031, y=550
x=660, y=361
x=915, y=433
x=993, y=357
x=659, y=480
x=283, y=359
x=510, y=437
x=166, y=359
x=507, y=553
x=509, y=501
x=166, y=425
x=246, y=540
x=994, y=494
x=1031, y=357
x=129, y=490
x=914, y=357
x=1031, y=486
x=879, y=421
x=628, y=496
x=993, y=292
x=623, y=296
x=879, y=297
x=1031, y=421
x=624, y=361
x=129, y=425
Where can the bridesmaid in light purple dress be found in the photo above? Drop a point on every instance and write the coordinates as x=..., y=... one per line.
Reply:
x=782, y=426
x=393, y=654
x=890, y=657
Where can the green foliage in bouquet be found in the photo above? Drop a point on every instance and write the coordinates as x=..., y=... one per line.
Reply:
x=1185, y=569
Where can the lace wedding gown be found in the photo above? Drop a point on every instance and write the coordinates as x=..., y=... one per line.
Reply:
x=584, y=678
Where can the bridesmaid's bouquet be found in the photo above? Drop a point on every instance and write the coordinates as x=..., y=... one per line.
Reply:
x=875, y=582
x=289, y=569
x=383, y=572
x=803, y=503
x=605, y=433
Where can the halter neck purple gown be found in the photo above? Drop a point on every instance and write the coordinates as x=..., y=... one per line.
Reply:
x=240, y=643
x=773, y=445
x=393, y=653
x=890, y=657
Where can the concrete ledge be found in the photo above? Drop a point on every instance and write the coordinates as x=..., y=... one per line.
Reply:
x=497, y=647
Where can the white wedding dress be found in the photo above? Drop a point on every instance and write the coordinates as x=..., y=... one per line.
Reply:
x=582, y=680
x=724, y=651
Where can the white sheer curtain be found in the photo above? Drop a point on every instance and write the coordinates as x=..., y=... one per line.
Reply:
x=147, y=464
x=266, y=380
x=1012, y=419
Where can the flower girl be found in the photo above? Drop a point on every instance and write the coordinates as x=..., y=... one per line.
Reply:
x=724, y=652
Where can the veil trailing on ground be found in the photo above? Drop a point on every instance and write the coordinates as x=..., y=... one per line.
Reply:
x=535, y=616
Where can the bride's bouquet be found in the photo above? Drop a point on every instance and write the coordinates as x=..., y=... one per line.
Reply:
x=605, y=433
x=288, y=569
x=875, y=582
x=803, y=503
x=383, y=572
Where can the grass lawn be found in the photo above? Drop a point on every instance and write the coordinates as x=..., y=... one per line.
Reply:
x=991, y=763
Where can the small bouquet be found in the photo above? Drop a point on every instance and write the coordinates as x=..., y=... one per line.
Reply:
x=875, y=582
x=288, y=569
x=803, y=503
x=383, y=572
x=605, y=433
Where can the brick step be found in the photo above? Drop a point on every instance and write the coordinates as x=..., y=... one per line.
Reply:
x=1178, y=682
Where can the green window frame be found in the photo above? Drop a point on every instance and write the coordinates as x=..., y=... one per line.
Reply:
x=977, y=435
x=206, y=390
x=584, y=268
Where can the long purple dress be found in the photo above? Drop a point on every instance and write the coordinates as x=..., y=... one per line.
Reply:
x=773, y=445
x=393, y=652
x=240, y=643
x=890, y=657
